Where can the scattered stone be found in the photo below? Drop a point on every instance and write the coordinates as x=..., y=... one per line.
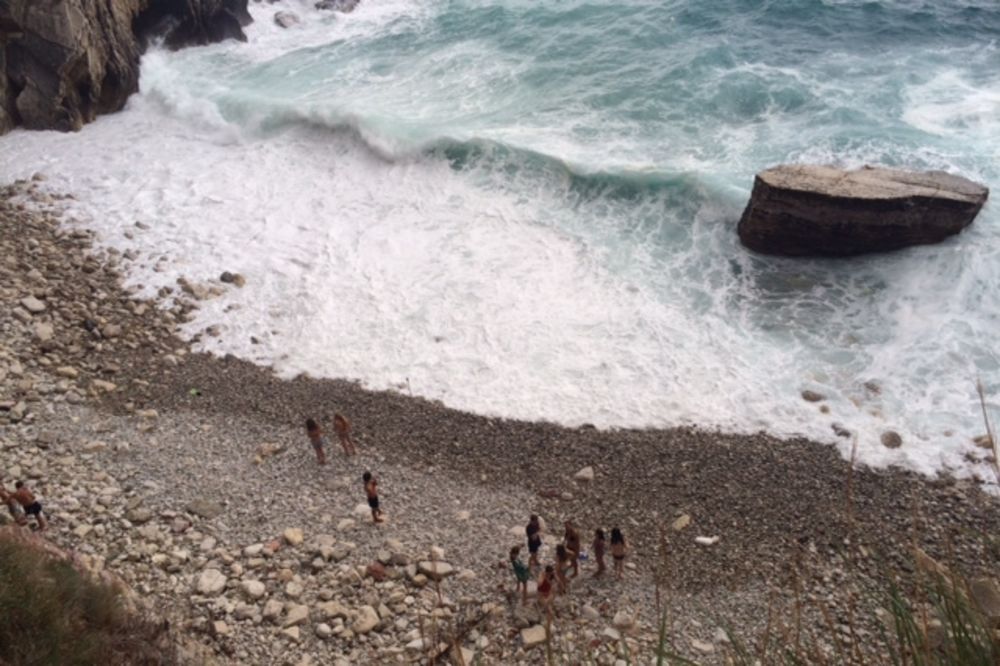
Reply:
x=367, y=620
x=812, y=396
x=33, y=305
x=297, y=614
x=293, y=536
x=682, y=522
x=706, y=541
x=284, y=19
x=203, y=508
x=585, y=474
x=703, y=647
x=891, y=439
x=435, y=570
x=533, y=636
x=254, y=589
x=211, y=582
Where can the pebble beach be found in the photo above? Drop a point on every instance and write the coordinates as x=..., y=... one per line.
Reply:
x=190, y=477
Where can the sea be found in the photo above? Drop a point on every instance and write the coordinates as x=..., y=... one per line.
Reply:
x=528, y=209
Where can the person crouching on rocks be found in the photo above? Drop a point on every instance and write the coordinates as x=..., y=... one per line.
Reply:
x=343, y=429
x=317, y=440
x=521, y=574
x=26, y=499
x=13, y=507
x=371, y=490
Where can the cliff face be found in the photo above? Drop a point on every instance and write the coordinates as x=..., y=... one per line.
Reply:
x=68, y=60
x=63, y=62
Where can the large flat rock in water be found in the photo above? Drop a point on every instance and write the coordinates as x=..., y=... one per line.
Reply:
x=809, y=210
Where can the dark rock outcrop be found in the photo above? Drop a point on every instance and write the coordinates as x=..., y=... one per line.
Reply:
x=63, y=62
x=806, y=210
x=67, y=60
x=183, y=23
x=345, y=6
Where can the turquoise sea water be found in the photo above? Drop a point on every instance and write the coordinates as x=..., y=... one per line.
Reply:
x=529, y=208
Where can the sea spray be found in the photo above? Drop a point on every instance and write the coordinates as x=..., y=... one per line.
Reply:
x=528, y=209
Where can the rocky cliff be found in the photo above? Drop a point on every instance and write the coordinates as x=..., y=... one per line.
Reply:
x=63, y=62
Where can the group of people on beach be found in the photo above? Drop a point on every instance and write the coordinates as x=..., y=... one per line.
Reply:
x=343, y=429
x=22, y=503
x=555, y=578
x=341, y=426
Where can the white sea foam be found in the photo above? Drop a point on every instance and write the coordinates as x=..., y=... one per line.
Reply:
x=518, y=284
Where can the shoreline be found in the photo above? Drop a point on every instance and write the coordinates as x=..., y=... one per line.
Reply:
x=771, y=502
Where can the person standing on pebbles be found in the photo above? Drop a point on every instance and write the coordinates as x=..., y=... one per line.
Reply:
x=571, y=538
x=343, y=429
x=317, y=440
x=371, y=490
x=534, y=532
x=521, y=573
x=618, y=551
x=600, y=543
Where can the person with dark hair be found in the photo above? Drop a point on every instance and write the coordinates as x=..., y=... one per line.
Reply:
x=571, y=538
x=343, y=429
x=599, y=545
x=371, y=490
x=317, y=440
x=562, y=565
x=13, y=506
x=534, y=532
x=545, y=588
x=26, y=499
x=618, y=551
x=521, y=574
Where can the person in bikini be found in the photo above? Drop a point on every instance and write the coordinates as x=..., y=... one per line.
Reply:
x=534, y=533
x=562, y=566
x=317, y=440
x=618, y=551
x=343, y=429
x=571, y=538
x=31, y=506
x=545, y=583
x=599, y=545
x=371, y=490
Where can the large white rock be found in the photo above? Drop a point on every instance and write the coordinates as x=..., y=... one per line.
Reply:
x=211, y=582
x=293, y=535
x=296, y=615
x=253, y=588
x=435, y=570
x=585, y=474
x=366, y=621
x=533, y=636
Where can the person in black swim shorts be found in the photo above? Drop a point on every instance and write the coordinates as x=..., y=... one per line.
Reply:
x=371, y=490
x=534, y=533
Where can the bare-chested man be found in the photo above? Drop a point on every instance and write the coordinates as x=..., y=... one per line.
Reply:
x=26, y=499
x=371, y=490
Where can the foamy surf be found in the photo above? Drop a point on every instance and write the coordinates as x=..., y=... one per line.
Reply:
x=427, y=205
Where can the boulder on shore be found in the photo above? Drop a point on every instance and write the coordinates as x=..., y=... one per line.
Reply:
x=811, y=210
